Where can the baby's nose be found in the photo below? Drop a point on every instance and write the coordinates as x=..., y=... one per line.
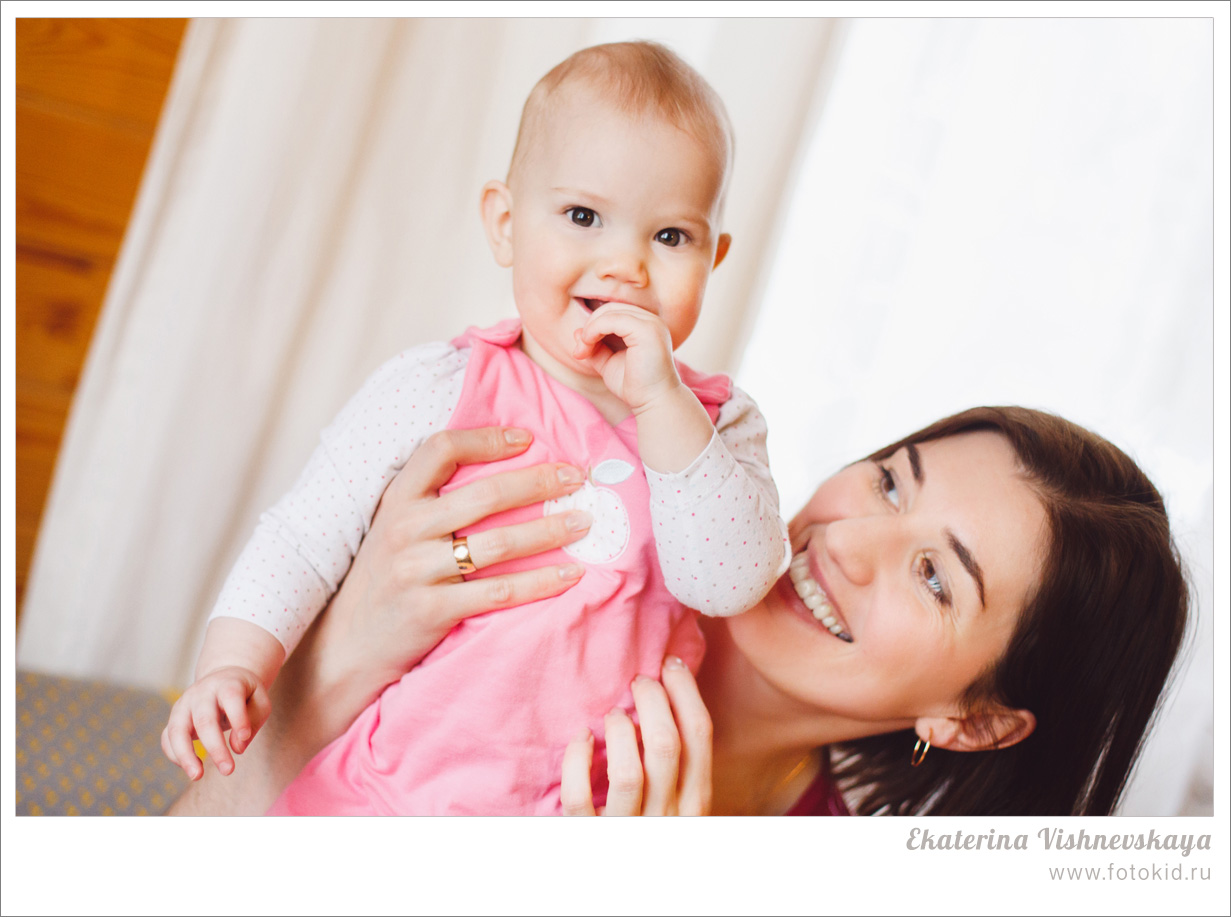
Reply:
x=623, y=264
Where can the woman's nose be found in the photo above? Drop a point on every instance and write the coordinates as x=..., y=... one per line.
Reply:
x=855, y=546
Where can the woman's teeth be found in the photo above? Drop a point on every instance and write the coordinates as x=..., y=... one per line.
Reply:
x=811, y=594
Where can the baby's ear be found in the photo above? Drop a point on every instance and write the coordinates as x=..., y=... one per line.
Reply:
x=496, y=210
x=724, y=246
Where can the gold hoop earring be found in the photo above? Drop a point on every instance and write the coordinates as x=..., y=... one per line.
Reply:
x=916, y=757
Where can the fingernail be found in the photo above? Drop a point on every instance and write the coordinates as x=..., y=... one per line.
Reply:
x=516, y=437
x=673, y=662
x=583, y=735
x=570, y=475
x=571, y=571
x=578, y=521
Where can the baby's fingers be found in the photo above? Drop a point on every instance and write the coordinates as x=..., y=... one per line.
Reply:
x=255, y=712
x=177, y=743
x=234, y=703
x=209, y=732
x=259, y=708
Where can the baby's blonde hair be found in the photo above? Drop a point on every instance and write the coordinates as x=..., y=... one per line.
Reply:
x=638, y=78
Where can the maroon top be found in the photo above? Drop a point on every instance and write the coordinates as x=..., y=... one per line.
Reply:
x=820, y=798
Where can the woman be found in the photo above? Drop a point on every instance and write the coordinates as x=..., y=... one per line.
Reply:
x=980, y=619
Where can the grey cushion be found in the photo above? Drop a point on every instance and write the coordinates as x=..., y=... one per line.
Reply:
x=91, y=748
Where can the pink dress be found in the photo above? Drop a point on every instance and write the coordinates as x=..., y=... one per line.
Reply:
x=480, y=725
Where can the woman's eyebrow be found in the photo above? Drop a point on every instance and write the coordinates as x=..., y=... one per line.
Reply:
x=962, y=552
x=916, y=467
x=969, y=562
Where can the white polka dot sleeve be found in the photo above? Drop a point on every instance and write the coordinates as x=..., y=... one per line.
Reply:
x=721, y=542
x=306, y=542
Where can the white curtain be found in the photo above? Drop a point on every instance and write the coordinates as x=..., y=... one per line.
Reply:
x=310, y=207
x=1012, y=211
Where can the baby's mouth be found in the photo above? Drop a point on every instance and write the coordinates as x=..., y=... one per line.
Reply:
x=610, y=341
x=813, y=596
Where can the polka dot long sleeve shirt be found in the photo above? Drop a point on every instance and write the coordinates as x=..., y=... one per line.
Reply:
x=720, y=540
x=721, y=543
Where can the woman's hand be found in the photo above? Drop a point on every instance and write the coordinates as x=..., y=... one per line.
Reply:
x=401, y=596
x=674, y=775
x=403, y=593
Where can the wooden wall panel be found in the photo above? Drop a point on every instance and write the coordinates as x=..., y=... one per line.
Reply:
x=77, y=180
x=89, y=92
x=116, y=69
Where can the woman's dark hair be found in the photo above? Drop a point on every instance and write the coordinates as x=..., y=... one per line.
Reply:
x=1091, y=654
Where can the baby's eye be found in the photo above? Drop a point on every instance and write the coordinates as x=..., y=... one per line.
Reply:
x=583, y=216
x=670, y=237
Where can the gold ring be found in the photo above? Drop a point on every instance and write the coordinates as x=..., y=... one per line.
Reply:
x=461, y=554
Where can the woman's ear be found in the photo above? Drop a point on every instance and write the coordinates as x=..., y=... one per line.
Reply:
x=724, y=245
x=997, y=727
x=496, y=209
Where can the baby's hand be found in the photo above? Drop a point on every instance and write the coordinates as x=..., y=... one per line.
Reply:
x=639, y=371
x=230, y=697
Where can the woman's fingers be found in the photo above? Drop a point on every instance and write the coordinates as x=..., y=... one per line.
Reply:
x=668, y=773
x=527, y=538
x=576, y=795
x=660, y=742
x=509, y=589
x=696, y=732
x=506, y=490
x=509, y=542
x=434, y=462
x=625, y=779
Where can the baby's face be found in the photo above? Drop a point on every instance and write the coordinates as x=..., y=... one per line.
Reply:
x=608, y=208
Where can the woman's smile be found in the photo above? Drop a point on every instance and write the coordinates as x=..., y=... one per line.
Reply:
x=816, y=598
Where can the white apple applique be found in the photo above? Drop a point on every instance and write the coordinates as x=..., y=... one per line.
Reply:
x=608, y=535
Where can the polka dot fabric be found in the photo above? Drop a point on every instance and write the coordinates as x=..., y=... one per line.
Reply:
x=721, y=542
x=304, y=545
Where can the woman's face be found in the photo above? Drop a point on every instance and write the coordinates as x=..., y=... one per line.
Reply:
x=923, y=561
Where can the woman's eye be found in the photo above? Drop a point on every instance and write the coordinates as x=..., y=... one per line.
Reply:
x=888, y=486
x=931, y=580
x=582, y=216
x=669, y=237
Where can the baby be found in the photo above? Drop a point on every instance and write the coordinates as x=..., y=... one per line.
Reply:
x=610, y=222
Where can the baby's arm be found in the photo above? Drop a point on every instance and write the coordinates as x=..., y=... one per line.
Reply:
x=720, y=540
x=721, y=543
x=303, y=547
x=235, y=670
